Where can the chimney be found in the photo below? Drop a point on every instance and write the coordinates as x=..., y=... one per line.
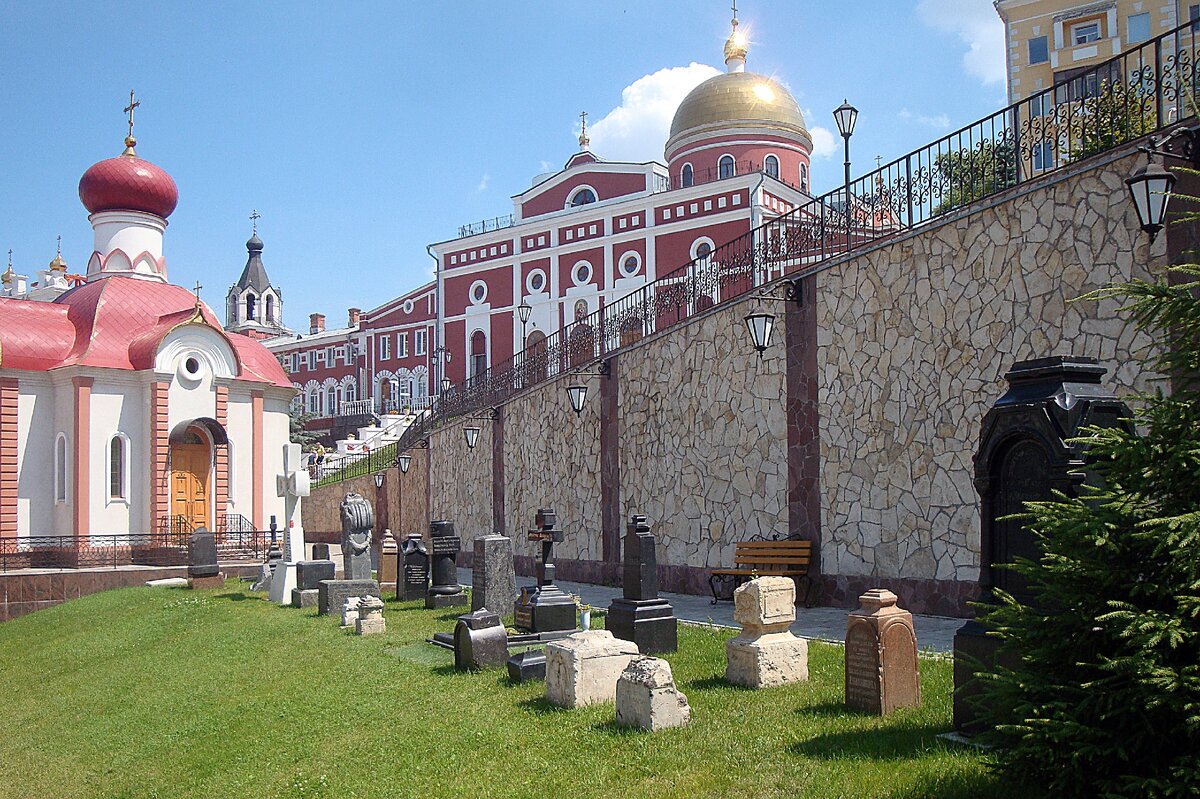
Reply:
x=316, y=323
x=352, y=317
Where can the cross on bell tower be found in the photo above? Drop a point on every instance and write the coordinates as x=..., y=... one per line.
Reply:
x=254, y=217
x=584, y=141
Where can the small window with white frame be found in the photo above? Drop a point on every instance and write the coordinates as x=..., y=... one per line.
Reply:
x=631, y=264
x=385, y=347
x=118, y=468
x=61, y=472
x=771, y=166
x=1085, y=32
x=401, y=345
x=419, y=342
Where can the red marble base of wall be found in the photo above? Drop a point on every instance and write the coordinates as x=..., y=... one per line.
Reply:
x=22, y=593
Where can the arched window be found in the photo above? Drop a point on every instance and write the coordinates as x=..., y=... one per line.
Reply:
x=270, y=316
x=771, y=166
x=251, y=303
x=314, y=401
x=582, y=197
x=701, y=248
x=804, y=177
x=725, y=167
x=118, y=457
x=478, y=353
x=350, y=390
x=686, y=178
x=331, y=402
x=60, y=468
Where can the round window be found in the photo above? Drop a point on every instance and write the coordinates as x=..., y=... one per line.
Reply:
x=478, y=291
x=408, y=306
x=536, y=281
x=192, y=366
x=629, y=265
x=583, y=273
x=703, y=249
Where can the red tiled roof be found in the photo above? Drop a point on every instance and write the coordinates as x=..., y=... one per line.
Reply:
x=115, y=323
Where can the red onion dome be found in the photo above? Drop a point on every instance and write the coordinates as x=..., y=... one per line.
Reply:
x=128, y=183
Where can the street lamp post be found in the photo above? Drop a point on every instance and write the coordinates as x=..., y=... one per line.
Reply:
x=846, y=116
x=523, y=311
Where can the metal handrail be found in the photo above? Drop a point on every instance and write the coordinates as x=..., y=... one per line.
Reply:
x=1143, y=90
x=164, y=548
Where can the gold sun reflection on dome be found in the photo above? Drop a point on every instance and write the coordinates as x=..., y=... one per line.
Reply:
x=764, y=92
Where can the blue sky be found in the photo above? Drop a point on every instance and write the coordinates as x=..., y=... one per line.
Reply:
x=364, y=131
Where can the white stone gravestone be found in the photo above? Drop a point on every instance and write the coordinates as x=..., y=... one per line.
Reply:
x=292, y=485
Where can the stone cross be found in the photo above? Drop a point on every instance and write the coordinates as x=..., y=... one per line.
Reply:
x=292, y=485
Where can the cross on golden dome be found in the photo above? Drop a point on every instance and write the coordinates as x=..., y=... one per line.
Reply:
x=584, y=141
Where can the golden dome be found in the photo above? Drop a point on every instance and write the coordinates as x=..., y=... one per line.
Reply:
x=58, y=264
x=735, y=45
x=738, y=97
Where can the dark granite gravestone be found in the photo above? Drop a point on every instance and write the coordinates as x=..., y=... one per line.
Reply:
x=203, y=570
x=480, y=641
x=1024, y=455
x=357, y=520
x=544, y=607
x=310, y=573
x=320, y=552
x=332, y=594
x=493, y=579
x=527, y=665
x=640, y=615
x=414, y=581
x=445, y=591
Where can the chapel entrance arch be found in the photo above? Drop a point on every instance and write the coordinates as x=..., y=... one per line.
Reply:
x=192, y=458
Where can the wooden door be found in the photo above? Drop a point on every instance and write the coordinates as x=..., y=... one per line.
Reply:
x=189, y=484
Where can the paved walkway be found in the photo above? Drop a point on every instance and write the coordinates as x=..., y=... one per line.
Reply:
x=934, y=633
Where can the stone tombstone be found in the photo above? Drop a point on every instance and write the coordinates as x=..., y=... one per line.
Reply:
x=370, y=619
x=305, y=598
x=332, y=594
x=350, y=610
x=203, y=570
x=389, y=557
x=358, y=518
x=493, y=579
x=647, y=697
x=766, y=653
x=445, y=590
x=415, y=558
x=480, y=641
x=545, y=607
x=881, y=656
x=640, y=615
x=320, y=551
x=526, y=666
x=1025, y=454
x=310, y=573
x=583, y=669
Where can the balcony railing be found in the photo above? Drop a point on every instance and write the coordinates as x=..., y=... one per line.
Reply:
x=169, y=547
x=1144, y=90
x=486, y=226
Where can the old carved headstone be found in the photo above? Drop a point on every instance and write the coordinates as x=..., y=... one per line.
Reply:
x=766, y=653
x=640, y=614
x=445, y=591
x=480, y=641
x=415, y=578
x=647, y=697
x=545, y=607
x=583, y=669
x=389, y=557
x=1026, y=452
x=881, y=656
x=357, y=521
x=369, y=620
x=493, y=579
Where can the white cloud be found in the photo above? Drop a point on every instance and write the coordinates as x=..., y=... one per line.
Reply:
x=938, y=121
x=978, y=25
x=824, y=142
x=483, y=183
x=637, y=129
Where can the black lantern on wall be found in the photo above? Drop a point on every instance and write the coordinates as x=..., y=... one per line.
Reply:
x=1150, y=186
x=577, y=392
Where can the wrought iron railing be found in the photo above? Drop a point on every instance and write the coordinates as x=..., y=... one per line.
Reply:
x=334, y=469
x=699, y=177
x=1145, y=89
x=164, y=548
x=486, y=226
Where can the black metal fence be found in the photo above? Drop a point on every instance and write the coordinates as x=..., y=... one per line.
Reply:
x=368, y=463
x=109, y=551
x=1145, y=89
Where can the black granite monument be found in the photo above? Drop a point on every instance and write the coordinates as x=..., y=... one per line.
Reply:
x=640, y=615
x=544, y=607
x=493, y=580
x=414, y=578
x=1025, y=455
x=203, y=570
x=445, y=591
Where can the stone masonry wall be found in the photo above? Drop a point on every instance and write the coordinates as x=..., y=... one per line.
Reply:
x=461, y=479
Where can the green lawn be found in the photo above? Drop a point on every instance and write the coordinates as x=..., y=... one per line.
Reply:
x=167, y=692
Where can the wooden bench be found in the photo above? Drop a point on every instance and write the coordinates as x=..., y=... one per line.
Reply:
x=788, y=557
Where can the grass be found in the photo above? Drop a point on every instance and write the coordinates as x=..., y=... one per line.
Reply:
x=173, y=693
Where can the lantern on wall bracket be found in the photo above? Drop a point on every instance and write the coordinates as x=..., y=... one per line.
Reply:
x=1150, y=186
x=378, y=479
x=404, y=461
x=577, y=391
x=760, y=322
x=471, y=432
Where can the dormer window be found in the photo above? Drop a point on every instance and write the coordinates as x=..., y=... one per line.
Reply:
x=582, y=197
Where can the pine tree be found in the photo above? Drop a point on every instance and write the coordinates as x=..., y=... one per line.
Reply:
x=1104, y=699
